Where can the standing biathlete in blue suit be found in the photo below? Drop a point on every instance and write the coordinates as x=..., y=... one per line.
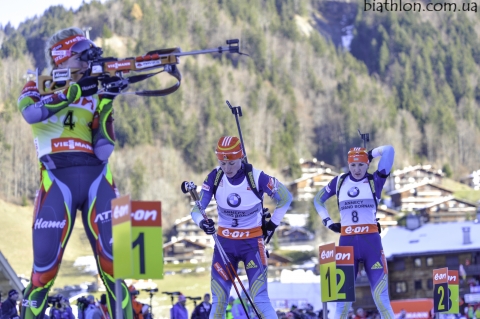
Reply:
x=358, y=195
x=239, y=190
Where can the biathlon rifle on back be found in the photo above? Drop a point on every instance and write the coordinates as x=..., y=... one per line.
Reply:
x=162, y=60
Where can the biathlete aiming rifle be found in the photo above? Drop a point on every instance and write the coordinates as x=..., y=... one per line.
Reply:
x=190, y=187
x=111, y=67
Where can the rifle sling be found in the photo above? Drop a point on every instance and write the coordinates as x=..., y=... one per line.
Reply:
x=163, y=92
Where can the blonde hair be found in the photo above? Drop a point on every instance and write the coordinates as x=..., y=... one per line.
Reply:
x=59, y=36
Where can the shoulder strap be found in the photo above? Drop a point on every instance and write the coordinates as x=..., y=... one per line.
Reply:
x=248, y=174
x=340, y=181
x=371, y=182
x=251, y=180
x=218, y=178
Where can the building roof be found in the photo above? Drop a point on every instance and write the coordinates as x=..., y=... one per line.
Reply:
x=446, y=199
x=430, y=238
x=426, y=168
x=173, y=242
x=409, y=187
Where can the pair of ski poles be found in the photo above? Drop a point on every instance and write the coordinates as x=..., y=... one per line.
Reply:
x=190, y=187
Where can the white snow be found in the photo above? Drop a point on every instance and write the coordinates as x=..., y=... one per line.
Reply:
x=430, y=238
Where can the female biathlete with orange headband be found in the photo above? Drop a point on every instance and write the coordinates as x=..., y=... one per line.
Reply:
x=358, y=194
x=73, y=136
x=238, y=189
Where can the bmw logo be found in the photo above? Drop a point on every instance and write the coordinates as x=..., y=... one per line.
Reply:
x=234, y=200
x=353, y=192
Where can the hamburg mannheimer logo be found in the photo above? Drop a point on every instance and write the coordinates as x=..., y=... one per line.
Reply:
x=353, y=192
x=234, y=200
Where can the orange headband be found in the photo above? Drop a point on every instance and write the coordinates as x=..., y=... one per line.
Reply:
x=358, y=155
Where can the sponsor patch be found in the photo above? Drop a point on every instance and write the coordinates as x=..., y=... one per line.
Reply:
x=377, y=265
x=271, y=184
x=327, y=189
x=205, y=187
x=220, y=271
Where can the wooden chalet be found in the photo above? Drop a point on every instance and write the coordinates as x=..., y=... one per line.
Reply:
x=306, y=187
x=388, y=217
x=417, y=196
x=402, y=178
x=276, y=260
x=413, y=254
x=449, y=209
x=312, y=166
x=289, y=234
x=185, y=227
x=184, y=250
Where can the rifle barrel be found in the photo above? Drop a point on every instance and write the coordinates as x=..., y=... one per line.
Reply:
x=196, y=52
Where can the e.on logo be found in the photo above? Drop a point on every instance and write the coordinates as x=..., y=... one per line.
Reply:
x=120, y=211
x=343, y=256
x=440, y=276
x=146, y=214
x=141, y=214
x=452, y=278
x=326, y=254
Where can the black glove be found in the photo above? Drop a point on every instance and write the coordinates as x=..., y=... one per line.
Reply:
x=370, y=156
x=88, y=85
x=270, y=230
x=115, y=85
x=208, y=226
x=378, y=225
x=336, y=227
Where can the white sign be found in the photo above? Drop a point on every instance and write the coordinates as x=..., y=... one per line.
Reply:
x=472, y=298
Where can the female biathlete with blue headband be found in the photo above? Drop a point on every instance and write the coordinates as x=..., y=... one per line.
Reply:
x=73, y=136
x=358, y=195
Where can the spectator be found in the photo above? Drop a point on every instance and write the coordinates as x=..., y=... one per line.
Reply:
x=139, y=309
x=92, y=311
x=103, y=306
x=228, y=313
x=61, y=309
x=179, y=311
x=360, y=314
x=9, y=306
x=202, y=311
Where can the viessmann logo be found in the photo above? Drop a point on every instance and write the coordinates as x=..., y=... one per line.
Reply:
x=118, y=65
